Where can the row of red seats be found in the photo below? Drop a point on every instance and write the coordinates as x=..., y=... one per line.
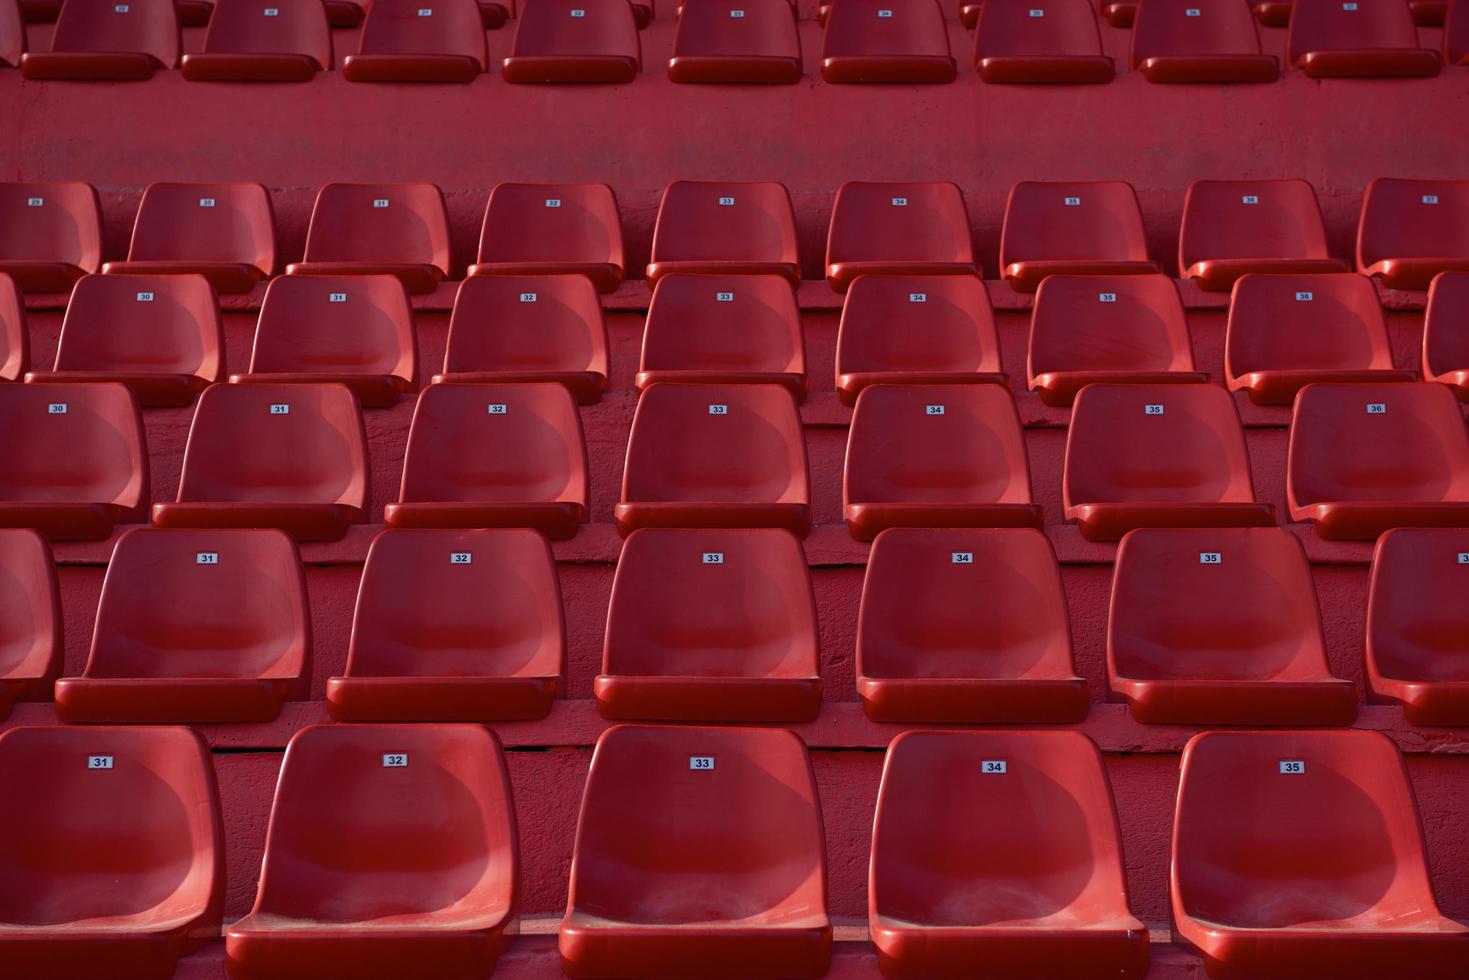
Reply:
x=1216, y=626
x=736, y=41
x=1294, y=854
x=1410, y=230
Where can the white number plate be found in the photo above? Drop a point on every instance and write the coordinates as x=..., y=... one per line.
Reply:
x=460, y=557
x=961, y=557
x=992, y=767
x=206, y=558
x=280, y=410
x=1211, y=558
x=703, y=763
x=714, y=558
x=99, y=762
x=1292, y=767
x=1152, y=409
x=395, y=760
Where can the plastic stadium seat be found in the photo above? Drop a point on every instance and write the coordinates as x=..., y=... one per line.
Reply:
x=12, y=34
x=969, y=12
x=1001, y=849
x=50, y=234
x=195, y=626
x=257, y=41
x=352, y=330
x=1300, y=854
x=716, y=456
x=391, y=852
x=895, y=229
x=726, y=227
x=699, y=853
x=574, y=41
x=1058, y=41
x=1107, y=330
x=378, y=229
x=454, y=626
x=1412, y=230
x=936, y=456
x=1086, y=228
x=1234, y=227
x=509, y=455
x=1122, y=13
x=159, y=335
x=552, y=229
x=30, y=620
x=916, y=330
x=1188, y=41
x=1157, y=456
x=1415, y=622
x=225, y=232
x=1446, y=332
x=927, y=651
x=724, y=330
x=1286, y=332
x=292, y=457
x=711, y=625
x=882, y=41
x=406, y=41
x=106, y=40
x=195, y=13
x=112, y=849
x=15, y=344
x=1220, y=626
x=736, y=41
x=345, y=13
x=1357, y=39
x=528, y=328
x=100, y=480
x=1364, y=458
x=1456, y=34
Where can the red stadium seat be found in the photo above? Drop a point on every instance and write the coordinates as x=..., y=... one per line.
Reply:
x=1286, y=332
x=195, y=13
x=454, y=626
x=883, y=41
x=1456, y=34
x=15, y=344
x=351, y=330
x=1234, y=227
x=225, y=232
x=106, y=40
x=12, y=34
x=1220, y=626
x=101, y=478
x=1412, y=230
x=698, y=848
x=159, y=335
x=896, y=229
x=1085, y=228
x=1107, y=330
x=936, y=456
x=1001, y=849
x=30, y=620
x=574, y=41
x=249, y=41
x=927, y=651
x=406, y=41
x=528, y=329
x=1446, y=332
x=916, y=330
x=292, y=457
x=736, y=41
x=1415, y=619
x=345, y=13
x=1157, y=456
x=1020, y=41
x=113, y=851
x=551, y=230
x=50, y=234
x=378, y=229
x=716, y=456
x=726, y=227
x=1300, y=854
x=1364, y=458
x=1357, y=39
x=391, y=851
x=195, y=626
x=711, y=625
x=724, y=330
x=509, y=455
x=1188, y=41
x=969, y=12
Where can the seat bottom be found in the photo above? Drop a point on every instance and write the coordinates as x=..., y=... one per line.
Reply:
x=169, y=700
x=41, y=277
x=1025, y=277
x=604, y=275
x=1212, y=68
x=839, y=275
x=974, y=700
x=433, y=699
x=1414, y=272
x=1371, y=63
x=1280, y=387
x=642, y=697
x=416, y=277
x=913, y=69
x=1427, y=703
x=1059, y=389
x=133, y=953
x=261, y=948
x=585, y=386
x=1113, y=949
x=226, y=277
x=1239, y=702
x=63, y=521
x=605, y=69
x=742, y=70
x=596, y=947
x=153, y=390
x=1046, y=69
x=461, y=69
x=1110, y=521
x=1219, y=275
x=372, y=390
x=850, y=385
x=304, y=522
x=866, y=520
x=795, y=518
x=222, y=67
x=556, y=519
x=89, y=66
x=1431, y=950
x=1365, y=520
x=792, y=382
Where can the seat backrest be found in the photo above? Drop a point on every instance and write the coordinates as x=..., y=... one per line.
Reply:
x=550, y=28
x=724, y=322
x=146, y=324
x=1456, y=34
x=1413, y=218
x=106, y=457
x=901, y=323
x=527, y=323
x=230, y=222
x=267, y=27
x=30, y=610
x=1344, y=25
x=447, y=27
x=726, y=221
x=60, y=222
x=1131, y=323
x=12, y=33
x=1225, y=219
x=551, y=223
x=352, y=324
x=1171, y=28
x=1279, y=323
x=1446, y=325
x=15, y=343
x=105, y=26
x=915, y=220
x=1048, y=28
x=403, y=223
x=1086, y=219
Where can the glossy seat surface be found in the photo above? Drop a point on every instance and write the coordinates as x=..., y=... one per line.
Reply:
x=736, y=41
x=15, y=338
x=1182, y=41
x=411, y=41
x=1411, y=230
x=378, y=229
x=195, y=626
x=879, y=41
x=1055, y=41
x=574, y=41
x=1090, y=228
x=12, y=34
x=699, y=853
x=1361, y=39
x=1456, y=34
x=1446, y=332
x=223, y=231
x=726, y=227
x=1234, y=227
x=916, y=228
x=98, y=40
x=1000, y=848
x=391, y=851
x=30, y=619
x=552, y=229
x=251, y=41
x=50, y=234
